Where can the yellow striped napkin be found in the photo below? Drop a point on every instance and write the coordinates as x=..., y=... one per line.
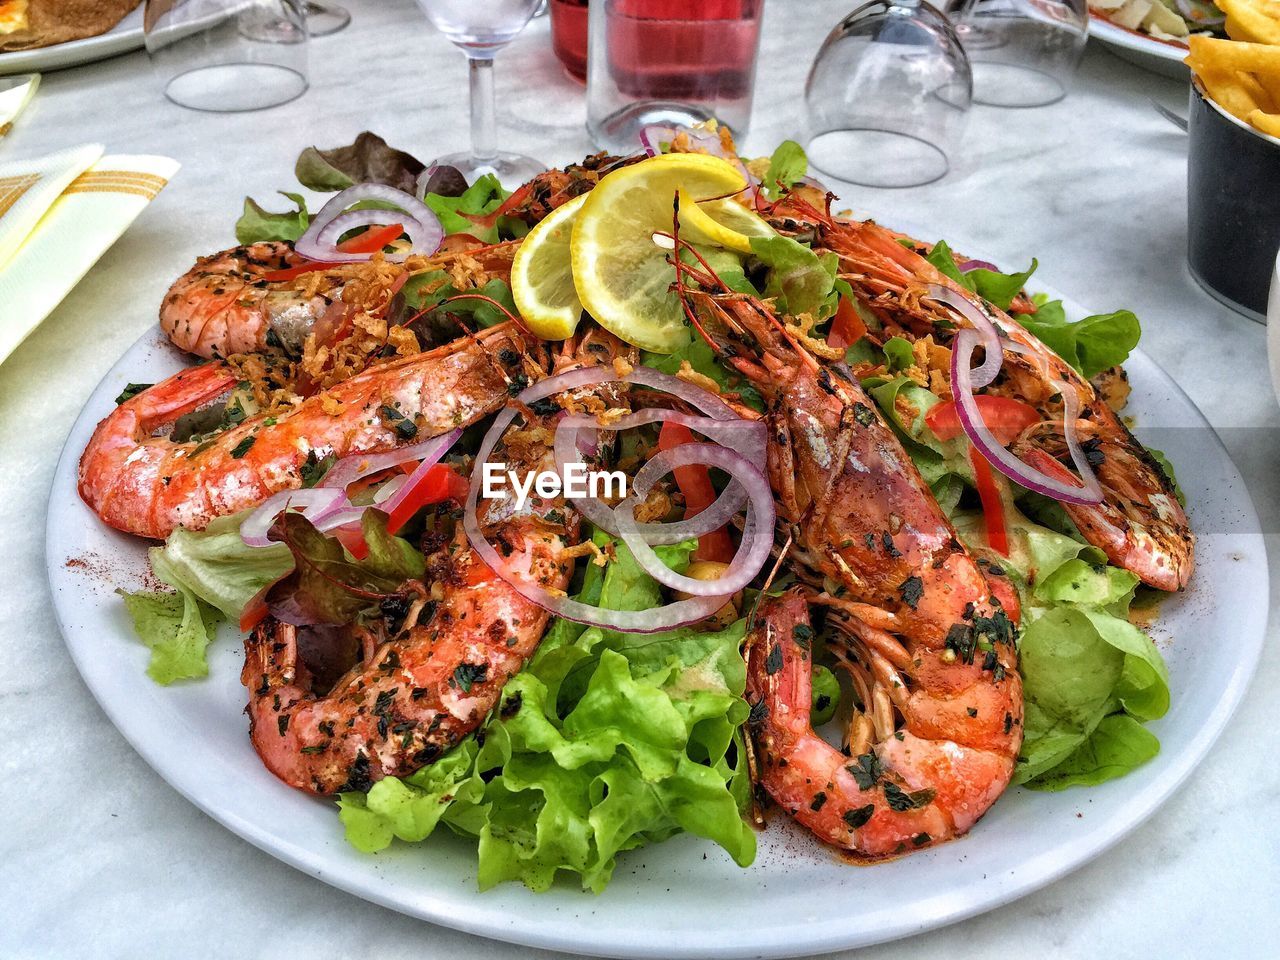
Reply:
x=58, y=215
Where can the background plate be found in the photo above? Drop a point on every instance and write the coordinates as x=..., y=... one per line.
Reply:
x=1158, y=56
x=683, y=898
x=124, y=37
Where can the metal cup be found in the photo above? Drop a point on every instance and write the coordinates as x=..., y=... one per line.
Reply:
x=1233, y=206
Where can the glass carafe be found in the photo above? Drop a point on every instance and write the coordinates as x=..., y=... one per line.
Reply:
x=670, y=62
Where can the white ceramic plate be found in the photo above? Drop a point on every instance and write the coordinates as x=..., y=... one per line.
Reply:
x=683, y=898
x=1159, y=56
x=124, y=37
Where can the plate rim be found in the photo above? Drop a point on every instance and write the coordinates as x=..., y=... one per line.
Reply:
x=124, y=37
x=1116, y=35
x=474, y=917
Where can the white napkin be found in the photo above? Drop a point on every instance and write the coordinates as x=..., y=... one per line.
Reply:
x=58, y=215
x=14, y=98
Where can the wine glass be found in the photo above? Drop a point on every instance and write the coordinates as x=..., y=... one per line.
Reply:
x=888, y=95
x=324, y=19
x=480, y=28
x=228, y=55
x=1023, y=52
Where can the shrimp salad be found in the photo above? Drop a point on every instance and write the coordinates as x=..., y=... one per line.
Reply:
x=880, y=546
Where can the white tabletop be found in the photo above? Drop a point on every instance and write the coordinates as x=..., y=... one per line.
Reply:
x=99, y=857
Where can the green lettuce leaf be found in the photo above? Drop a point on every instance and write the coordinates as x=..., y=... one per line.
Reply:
x=799, y=279
x=1084, y=584
x=898, y=354
x=177, y=627
x=1117, y=745
x=1090, y=345
x=787, y=165
x=997, y=288
x=1079, y=666
x=217, y=567
x=704, y=360
x=604, y=743
x=424, y=293
x=257, y=225
x=479, y=200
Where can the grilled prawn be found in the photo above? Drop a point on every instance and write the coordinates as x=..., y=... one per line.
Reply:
x=247, y=299
x=434, y=682
x=225, y=304
x=423, y=690
x=1139, y=525
x=928, y=644
x=139, y=480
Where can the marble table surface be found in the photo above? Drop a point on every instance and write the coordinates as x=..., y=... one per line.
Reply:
x=99, y=857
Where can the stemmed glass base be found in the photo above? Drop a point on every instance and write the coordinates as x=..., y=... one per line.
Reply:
x=481, y=28
x=511, y=169
x=325, y=18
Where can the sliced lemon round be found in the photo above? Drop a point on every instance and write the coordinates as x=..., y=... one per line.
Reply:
x=725, y=223
x=620, y=266
x=542, y=275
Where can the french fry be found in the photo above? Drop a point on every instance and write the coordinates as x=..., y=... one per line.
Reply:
x=1242, y=78
x=1266, y=122
x=1252, y=21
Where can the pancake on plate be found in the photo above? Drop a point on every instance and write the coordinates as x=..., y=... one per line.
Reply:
x=25, y=24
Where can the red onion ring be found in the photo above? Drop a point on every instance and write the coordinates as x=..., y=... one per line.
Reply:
x=745, y=435
x=757, y=534
x=962, y=388
x=669, y=617
x=964, y=266
x=431, y=452
x=1195, y=13
x=359, y=465
x=987, y=333
x=319, y=242
x=316, y=504
x=327, y=506
x=655, y=134
x=749, y=437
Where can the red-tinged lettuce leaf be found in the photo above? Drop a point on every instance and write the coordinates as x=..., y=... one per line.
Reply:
x=327, y=584
x=446, y=181
x=370, y=159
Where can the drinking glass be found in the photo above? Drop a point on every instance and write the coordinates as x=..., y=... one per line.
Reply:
x=324, y=19
x=1023, y=52
x=669, y=62
x=228, y=55
x=888, y=95
x=569, y=36
x=480, y=28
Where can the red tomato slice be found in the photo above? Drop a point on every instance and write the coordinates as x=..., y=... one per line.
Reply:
x=371, y=241
x=694, y=482
x=439, y=483
x=847, y=327
x=1004, y=417
x=992, y=503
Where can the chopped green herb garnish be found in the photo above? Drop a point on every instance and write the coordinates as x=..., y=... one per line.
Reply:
x=912, y=589
x=859, y=816
x=131, y=391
